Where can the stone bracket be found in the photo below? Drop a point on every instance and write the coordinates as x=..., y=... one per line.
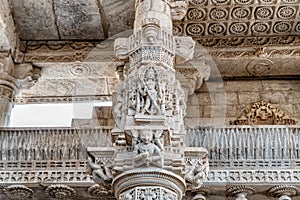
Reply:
x=196, y=166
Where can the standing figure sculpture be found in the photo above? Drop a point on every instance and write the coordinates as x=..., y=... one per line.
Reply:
x=150, y=97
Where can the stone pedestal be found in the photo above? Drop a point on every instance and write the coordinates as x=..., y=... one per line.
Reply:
x=149, y=182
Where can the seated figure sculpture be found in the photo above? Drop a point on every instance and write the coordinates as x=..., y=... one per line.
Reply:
x=147, y=153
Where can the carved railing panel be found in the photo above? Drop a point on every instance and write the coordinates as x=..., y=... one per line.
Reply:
x=44, y=144
x=266, y=147
x=236, y=144
x=237, y=155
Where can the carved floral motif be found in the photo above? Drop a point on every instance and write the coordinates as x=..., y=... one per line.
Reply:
x=18, y=192
x=222, y=15
x=259, y=67
x=99, y=190
x=264, y=113
x=240, y=191
x=60, y=191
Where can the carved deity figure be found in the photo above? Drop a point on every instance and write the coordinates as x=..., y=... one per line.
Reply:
x=99, y=173
x=147, y=153
x=150, y=98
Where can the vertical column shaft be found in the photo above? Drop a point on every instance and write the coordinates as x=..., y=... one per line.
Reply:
x=6, y=104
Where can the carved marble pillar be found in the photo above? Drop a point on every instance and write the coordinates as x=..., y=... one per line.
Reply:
x=6, y=103
x=7, y=89
x=8, y=44
x=12, y=78
x=150, y=159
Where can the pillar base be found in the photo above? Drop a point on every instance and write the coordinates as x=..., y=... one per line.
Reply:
x=154, y=182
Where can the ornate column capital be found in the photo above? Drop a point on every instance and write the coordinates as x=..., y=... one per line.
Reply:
x=201, y=193
x=283, y=192
x=240, y=191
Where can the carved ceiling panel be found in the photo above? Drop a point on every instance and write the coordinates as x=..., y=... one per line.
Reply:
x=35, y=20
x=206, y=20
x=77, y=19
x=72, y=20
x=211, y=18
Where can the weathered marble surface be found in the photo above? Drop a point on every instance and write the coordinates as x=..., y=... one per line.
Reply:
x=215, y=20
x=78, y=19
x=8, y=32
x=35, y=20
x=68, y=20
x=74, y=79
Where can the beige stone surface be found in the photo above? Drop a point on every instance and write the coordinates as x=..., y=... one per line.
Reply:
x=281, y=85
x=252, y=48
x=239, y=95
x=248, y=97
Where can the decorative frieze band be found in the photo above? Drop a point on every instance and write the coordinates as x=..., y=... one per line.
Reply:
x=253, y=176
x=237, y=176
x=62, y=99
x=103, y=52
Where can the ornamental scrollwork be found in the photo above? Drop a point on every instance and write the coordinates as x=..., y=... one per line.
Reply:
x=263, y=113
x=60, y=191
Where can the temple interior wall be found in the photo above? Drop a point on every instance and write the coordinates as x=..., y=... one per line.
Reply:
x=212, y=102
